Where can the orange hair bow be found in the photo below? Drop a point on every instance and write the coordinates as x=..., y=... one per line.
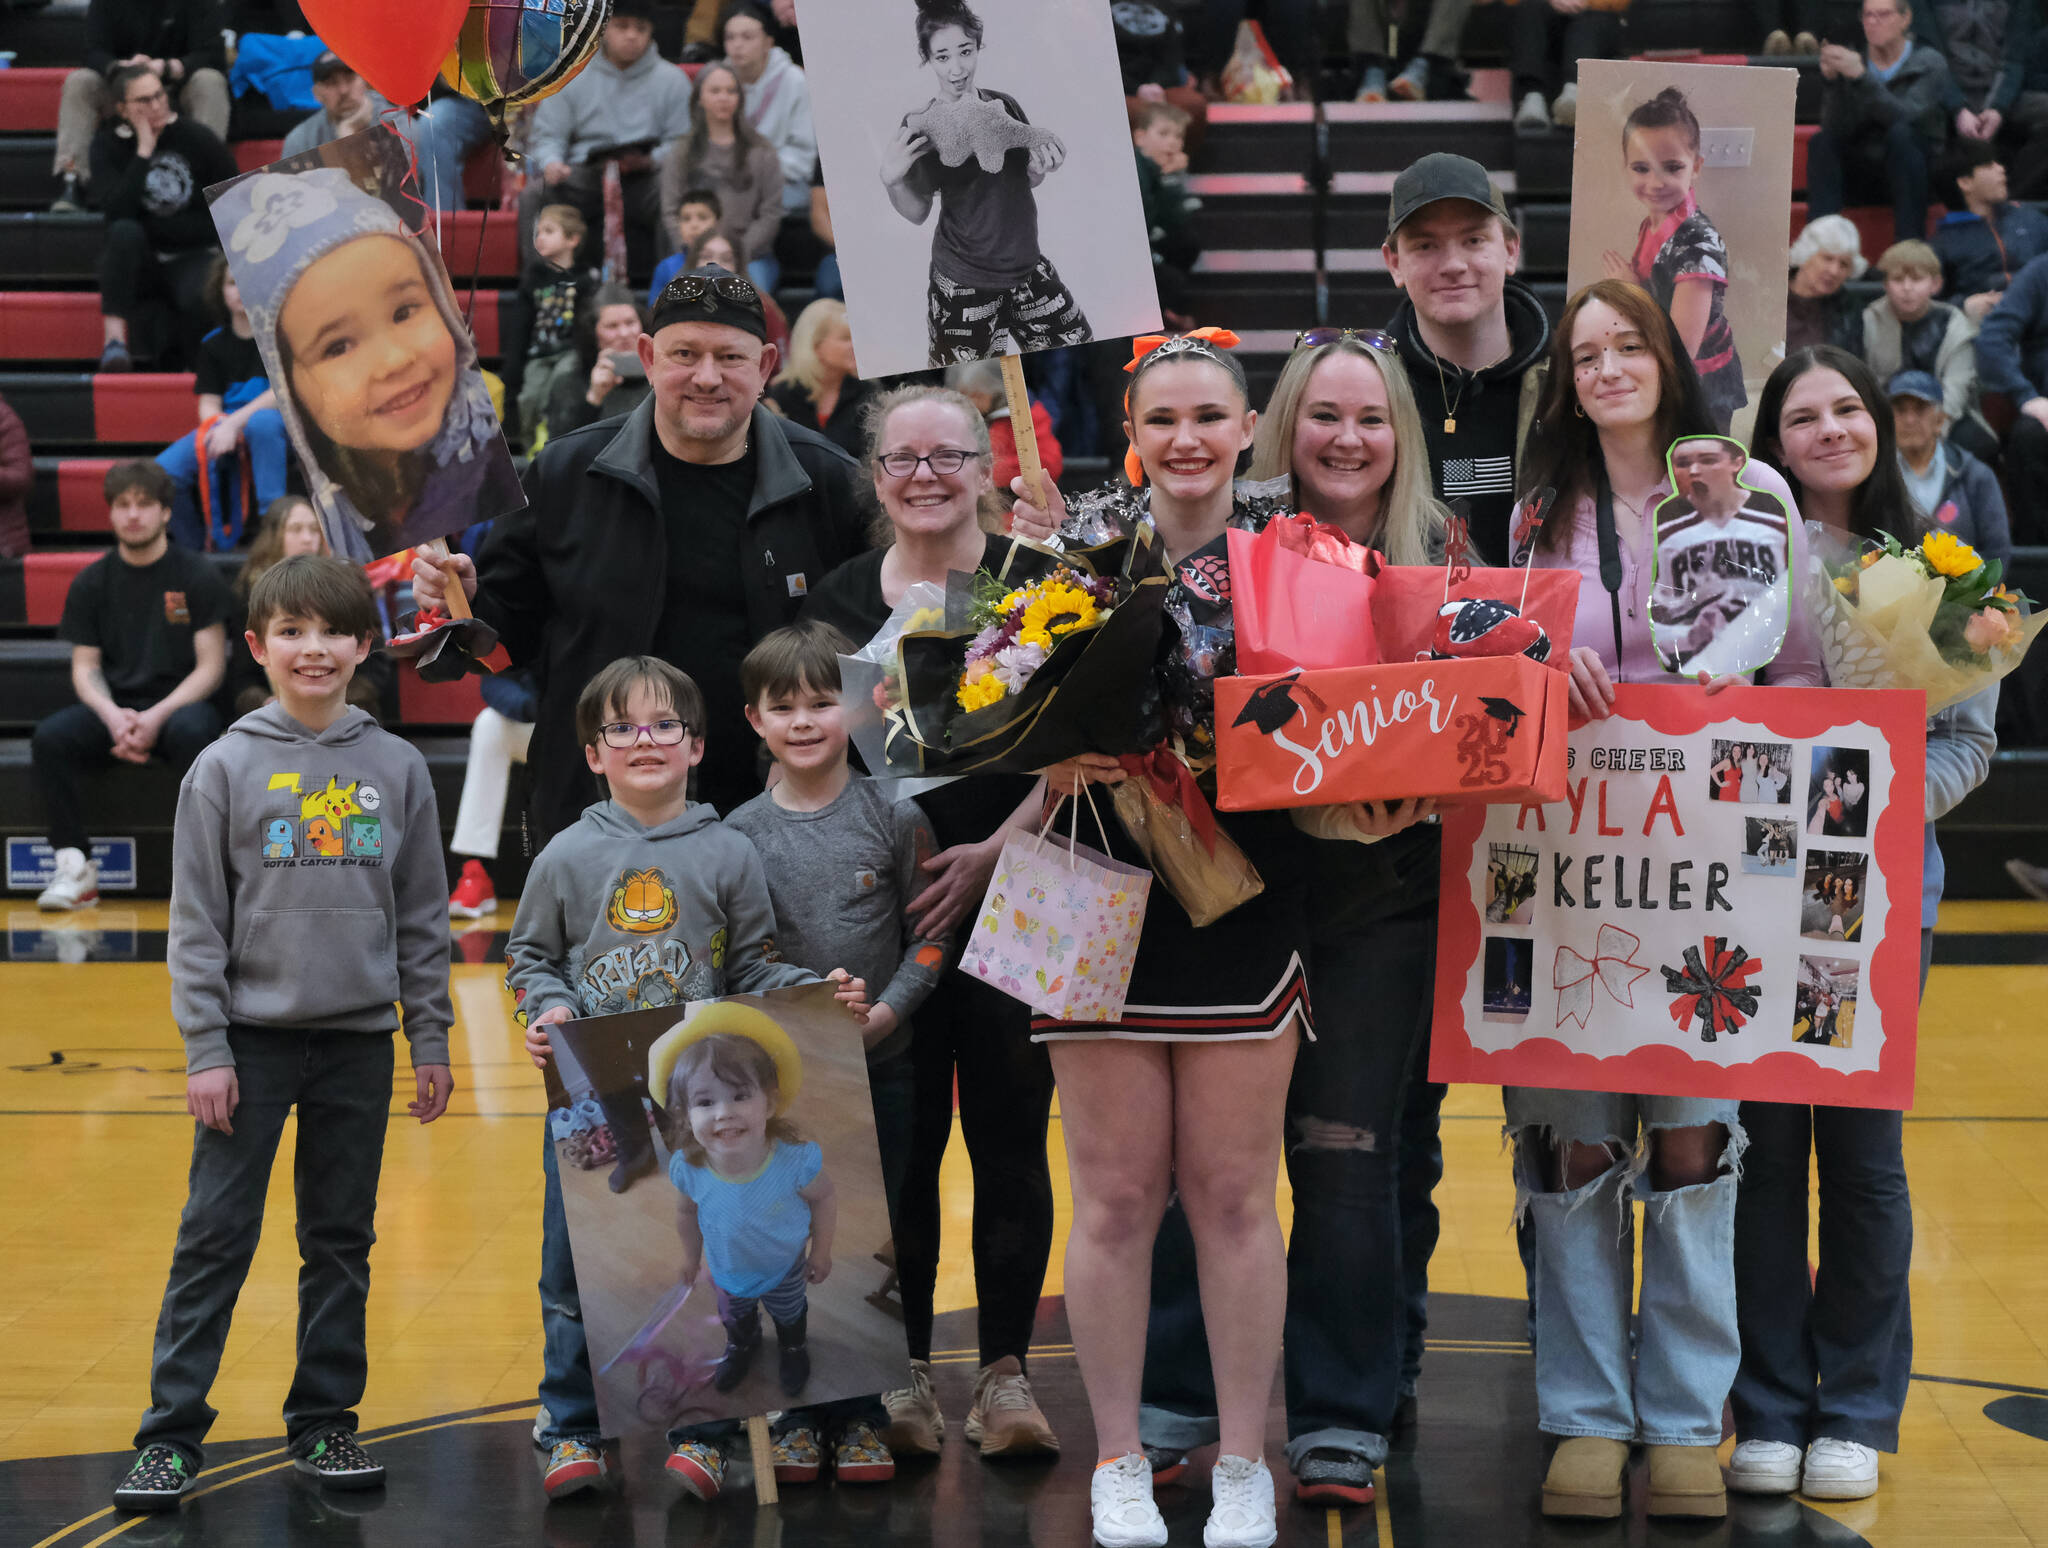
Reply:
x=1206, y=341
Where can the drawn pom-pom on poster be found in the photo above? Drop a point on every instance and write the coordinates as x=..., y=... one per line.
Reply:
x=1713, y=987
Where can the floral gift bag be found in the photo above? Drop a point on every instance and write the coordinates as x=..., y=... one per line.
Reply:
x=1059, y=927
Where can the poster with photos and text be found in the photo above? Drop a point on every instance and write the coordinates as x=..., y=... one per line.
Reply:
x=979, y=167
x=1726, y=904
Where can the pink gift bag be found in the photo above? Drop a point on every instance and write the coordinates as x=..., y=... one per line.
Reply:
x=1059, y=927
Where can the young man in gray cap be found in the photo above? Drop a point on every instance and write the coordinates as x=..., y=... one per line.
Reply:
x=686, y=530
x=1471, y=335
x=1956, y=491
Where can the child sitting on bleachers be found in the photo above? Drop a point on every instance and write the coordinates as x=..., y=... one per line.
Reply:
x=1159, y=136
x=237, y=414
x=1906, y=329
x=553, y=291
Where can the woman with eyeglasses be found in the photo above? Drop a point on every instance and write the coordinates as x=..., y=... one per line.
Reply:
x=1826, y=1355
x=993, y=291
x=1187, y=1092
x=929, y=460
x=150, y=172
x=1341, y=439
x=1620, y=392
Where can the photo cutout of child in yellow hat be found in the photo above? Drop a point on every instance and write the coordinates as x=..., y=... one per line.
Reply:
x=758, y=1208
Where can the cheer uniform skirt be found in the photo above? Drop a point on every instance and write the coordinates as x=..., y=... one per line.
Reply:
x=1244, y=976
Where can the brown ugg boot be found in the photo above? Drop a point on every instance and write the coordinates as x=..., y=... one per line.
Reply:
x=1686, y=1481
x=1585, y=1477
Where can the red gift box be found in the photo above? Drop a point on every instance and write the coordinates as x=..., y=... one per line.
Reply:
x=1490, y=728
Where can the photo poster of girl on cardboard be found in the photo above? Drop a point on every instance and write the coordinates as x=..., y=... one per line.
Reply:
x=1680, y=181
x=375, y=369
x=984, y=189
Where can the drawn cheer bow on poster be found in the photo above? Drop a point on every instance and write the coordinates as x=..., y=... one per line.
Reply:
x=752, y=1203
x=370, y=355
x=984, y=192
x=1680, y=931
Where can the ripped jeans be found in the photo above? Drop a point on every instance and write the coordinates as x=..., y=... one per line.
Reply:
x=1687, y=1349
x=1362, y=1158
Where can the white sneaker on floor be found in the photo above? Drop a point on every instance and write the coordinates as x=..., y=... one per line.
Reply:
x=76, y=884
x=1564, y=112
x=1764, y=1467
x=1839, y=1470
x=1243, y=1513
x=1532, y=116
x=1120, y=1500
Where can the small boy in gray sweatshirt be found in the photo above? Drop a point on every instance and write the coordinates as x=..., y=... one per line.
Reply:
x=842, y=858
x=648, y=899
x=307, y=895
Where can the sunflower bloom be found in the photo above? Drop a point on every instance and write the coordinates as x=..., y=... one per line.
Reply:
x=1058, y=609
x=1949, y=555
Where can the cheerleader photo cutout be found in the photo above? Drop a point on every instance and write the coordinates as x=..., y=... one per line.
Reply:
x=1681, y=175
x=366, y=345
x=978, y=162
x=1721, y=587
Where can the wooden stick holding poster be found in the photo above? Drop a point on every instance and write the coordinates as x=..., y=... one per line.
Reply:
x=1726, y=904
x=1029, y=468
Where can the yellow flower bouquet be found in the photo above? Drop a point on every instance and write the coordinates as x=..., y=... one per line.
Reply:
x=1935, y=615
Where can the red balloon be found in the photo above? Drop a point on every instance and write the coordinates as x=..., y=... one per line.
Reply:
x=395, y=45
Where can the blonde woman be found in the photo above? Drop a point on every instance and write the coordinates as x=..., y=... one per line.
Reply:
x=1362, y=1152
x=818, y=388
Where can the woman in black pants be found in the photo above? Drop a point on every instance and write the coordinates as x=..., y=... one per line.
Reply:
x=928, y=451
x=150, y=171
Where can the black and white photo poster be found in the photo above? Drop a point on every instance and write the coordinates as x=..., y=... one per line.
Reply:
x=983, y=186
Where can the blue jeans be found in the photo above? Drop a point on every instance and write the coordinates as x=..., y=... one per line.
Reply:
x=1362, y=1158
x=1828, y=1356
x=445, y=134
x=1688, y=1348
x=1876, y=165
x=568, y=1393
x=766, y=273
x=828, y=285
x=340, y=1082
x=263, y=433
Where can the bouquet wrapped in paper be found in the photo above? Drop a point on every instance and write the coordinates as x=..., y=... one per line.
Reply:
x=1935, y=616
x=1046, y=656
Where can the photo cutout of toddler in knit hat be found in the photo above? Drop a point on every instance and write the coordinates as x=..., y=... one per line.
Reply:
x=375, y=370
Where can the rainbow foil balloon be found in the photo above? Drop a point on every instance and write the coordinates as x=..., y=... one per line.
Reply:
x=512, y=52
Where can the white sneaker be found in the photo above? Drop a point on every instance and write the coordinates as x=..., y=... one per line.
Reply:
x=1532, y=116
x=1839, y=1470
x=1120, y=1499
x=1564, y=112
x=1764, y=1467
x=1243, y=1513
x=76, y=884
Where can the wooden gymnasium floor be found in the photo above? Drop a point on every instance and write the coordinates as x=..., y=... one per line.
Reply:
x=94, y=1129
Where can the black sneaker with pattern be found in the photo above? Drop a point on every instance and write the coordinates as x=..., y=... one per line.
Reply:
x=335, y=1458
x=1327, y=1476
x=157, y=1479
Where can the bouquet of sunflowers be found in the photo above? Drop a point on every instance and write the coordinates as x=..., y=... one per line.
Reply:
x=1935, y=616
x=1042, y=656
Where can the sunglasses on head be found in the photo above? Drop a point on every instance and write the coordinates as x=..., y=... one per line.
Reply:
x=697, y=287
x=1372, y=338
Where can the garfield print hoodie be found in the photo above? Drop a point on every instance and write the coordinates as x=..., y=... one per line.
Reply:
x=618, y=917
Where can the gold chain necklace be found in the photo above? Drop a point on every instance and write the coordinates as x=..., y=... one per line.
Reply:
x=1444, y=392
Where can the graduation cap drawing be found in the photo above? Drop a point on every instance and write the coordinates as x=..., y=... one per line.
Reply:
x=1272, y=705
x=1504, y=709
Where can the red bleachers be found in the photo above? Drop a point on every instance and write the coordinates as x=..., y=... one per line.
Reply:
x=29, y=98
x=438, y=704
x=1873, y=224
x=49, y=325
x=251, y=154
x=499, y=258
x=81, y=499
x=46, y=577
x=144, y=407
x=1802, y=135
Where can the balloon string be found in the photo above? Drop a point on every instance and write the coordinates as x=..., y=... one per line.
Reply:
x=409, y=184
x=476, y=267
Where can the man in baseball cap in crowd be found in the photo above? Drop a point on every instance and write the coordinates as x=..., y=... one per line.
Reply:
x=1471, y=335
x=1956, y=491
x=444, y=133
x=687, y=529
